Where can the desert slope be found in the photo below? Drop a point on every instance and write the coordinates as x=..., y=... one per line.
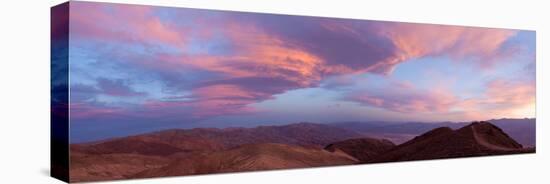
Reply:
x=202, y=151
x=86, y=167
x=363, y=149
x=476, y=139
x=521, y=130
x=237, y=149
x=253, y=157
x=212, y=139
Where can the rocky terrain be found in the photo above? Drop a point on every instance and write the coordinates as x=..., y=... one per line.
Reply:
x=180, y=152
x=363, y=149
x=475, y=139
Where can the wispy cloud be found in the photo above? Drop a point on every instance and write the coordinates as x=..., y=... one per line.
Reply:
x=223, y=62
x=500, y=98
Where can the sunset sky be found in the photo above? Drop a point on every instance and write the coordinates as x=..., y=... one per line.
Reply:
x=141, y=68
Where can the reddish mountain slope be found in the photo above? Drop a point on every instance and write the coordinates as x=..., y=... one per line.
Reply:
x=521, y=130
x=201, y=151
x=124, y=157
x=363, y=149
x=476, y=139
x=302, y=134
x=85, y=167
x=253, y=157
x=210, y=139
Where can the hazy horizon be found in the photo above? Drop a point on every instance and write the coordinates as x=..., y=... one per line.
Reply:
x=144, y=68
x=111, y=135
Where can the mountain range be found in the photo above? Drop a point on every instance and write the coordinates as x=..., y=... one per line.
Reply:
x=522, y=130
x=179, y=152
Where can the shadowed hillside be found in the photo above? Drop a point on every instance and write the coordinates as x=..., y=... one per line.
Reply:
x=521, y=130
x=125, y=157
x=206, y=150
x=363, y=149
x=250, y=158
x=212, y=139
x=476, y=139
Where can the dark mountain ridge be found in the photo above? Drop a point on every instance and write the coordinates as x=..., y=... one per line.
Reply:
x=210, y=150
x=251, y=157
x=522, y=130
x=475, y=139
x=211, y=139
x=363, y=149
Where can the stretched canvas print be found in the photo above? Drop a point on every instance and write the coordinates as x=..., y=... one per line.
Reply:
x=146, y=91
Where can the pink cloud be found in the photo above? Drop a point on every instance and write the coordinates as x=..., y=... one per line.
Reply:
x=270, y=55
x=410, y=101
x=420, y=40
x=511, y=93
x=259, y=54
x=126, y=23
x=501, y=98
x=208, y=101
x=259, y=59
x=225, y=99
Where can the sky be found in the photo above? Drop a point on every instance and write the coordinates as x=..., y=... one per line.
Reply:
x=138, y=69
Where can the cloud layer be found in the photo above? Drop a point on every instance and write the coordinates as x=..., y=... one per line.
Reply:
x=186, y=65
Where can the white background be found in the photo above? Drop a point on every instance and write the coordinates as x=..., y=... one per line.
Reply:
x=24, y=91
